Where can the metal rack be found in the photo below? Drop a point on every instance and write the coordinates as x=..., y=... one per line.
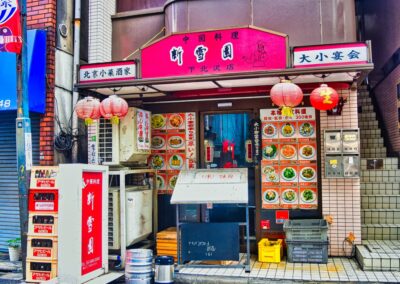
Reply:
x=218, y=186
x=123, y=188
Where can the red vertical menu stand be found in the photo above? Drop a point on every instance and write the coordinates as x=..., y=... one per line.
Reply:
x=41, y=263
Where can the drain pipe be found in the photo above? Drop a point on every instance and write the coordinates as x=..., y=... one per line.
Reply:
x=75, y=94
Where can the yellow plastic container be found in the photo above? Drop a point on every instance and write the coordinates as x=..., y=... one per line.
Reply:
x=270, y=251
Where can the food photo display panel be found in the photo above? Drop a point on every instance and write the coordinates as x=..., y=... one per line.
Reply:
x=173, y=146
x=289, y=172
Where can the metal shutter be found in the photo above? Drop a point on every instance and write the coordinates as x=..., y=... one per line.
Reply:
x=9, y=204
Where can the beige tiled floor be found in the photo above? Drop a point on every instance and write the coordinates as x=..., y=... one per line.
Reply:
x=337, y=270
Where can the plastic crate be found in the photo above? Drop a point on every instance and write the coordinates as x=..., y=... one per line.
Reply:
x=43, y=200
x=40, y=271
x=43, y=224
x=306, y=230
x=270, y=251
x=310, y=252
x=42, y=248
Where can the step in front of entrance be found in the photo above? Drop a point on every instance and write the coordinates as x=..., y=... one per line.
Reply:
x=379, y=255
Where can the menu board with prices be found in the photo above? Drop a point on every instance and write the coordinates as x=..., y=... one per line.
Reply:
x=173, y=147
x=289, y=159
x=342, y=156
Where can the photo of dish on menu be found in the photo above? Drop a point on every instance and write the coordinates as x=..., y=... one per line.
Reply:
x=173, y=147
x=289, y=159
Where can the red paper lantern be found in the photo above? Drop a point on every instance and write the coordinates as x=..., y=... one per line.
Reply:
x=88, y=109
x=286, y=95
x=324, y=98
x=114, y=108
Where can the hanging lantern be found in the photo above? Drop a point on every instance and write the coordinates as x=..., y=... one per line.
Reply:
x=286, y=95
x=88, y=109
x=114, y=108
x=324, y=98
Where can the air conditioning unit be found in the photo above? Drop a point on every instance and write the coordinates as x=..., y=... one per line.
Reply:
x=124, y=144
x=138, y=222
x=114, y=221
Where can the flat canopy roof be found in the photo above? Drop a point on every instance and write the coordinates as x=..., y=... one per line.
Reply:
x=150, y=88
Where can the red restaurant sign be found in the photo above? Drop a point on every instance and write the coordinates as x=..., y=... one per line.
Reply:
x=215, y=52
x=10, y=27
x=91, y=222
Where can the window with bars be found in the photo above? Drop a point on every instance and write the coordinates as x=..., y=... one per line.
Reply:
x=105, y=141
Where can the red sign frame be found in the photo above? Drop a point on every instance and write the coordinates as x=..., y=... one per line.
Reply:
x=215, y=52
x=92, y=229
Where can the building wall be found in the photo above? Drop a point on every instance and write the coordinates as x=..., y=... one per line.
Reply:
x=386, y=99
x=341, y=197
x=42, y=15
x=326, y=21
x=380, y=21
x=100, y=12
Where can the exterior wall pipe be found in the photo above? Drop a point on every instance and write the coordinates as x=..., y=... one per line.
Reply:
x=75, y=94
x=24, y=137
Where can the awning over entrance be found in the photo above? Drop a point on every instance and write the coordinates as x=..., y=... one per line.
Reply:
x=221, y=61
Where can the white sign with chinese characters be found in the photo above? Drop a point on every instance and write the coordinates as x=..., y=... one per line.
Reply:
x=107, y=72
x=300, y=113
x=92, y=143
x=326, y=55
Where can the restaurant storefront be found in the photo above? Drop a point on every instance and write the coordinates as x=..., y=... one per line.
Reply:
x=210, y=97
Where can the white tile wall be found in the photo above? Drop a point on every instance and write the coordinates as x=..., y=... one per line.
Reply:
x=100, y=30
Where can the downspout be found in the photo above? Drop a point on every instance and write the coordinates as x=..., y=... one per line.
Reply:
x=75, y=93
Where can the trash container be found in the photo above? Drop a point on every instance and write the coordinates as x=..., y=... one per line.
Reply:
x=164, y=269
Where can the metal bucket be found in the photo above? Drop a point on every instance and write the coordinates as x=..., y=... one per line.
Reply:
x=164, y=269
x=139, y=266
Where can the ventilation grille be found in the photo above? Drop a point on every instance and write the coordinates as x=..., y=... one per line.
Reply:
x=105, y=141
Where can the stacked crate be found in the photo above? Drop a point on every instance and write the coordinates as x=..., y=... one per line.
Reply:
x=42, y=247
x=307, y=240
x=167, y=243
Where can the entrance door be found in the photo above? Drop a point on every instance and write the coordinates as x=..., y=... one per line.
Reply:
x=223, y=137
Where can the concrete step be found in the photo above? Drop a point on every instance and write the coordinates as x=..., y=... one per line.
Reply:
x=380, y=201
x=380, y=188
x=380, y=216
x=379, y=255
x=364, y=116
x=368, y=124
x=366, y=133
x=381, y=173
x=367, y=153
x=386, y=163
x=367, y=109
x=367, y=140
x=380, y=231
x=364, y=101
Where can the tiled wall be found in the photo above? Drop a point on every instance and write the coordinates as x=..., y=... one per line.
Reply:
x=341, y=197
x=100, y=30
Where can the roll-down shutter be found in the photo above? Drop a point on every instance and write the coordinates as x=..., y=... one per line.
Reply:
x=9, y=204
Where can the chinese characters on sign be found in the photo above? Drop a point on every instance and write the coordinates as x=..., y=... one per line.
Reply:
x=143, y=129
x=92, y=143
x=255, y=133
x=106, y=72
x=289, y=159
x=214, y=52
x=311, y=56
x=91, y=222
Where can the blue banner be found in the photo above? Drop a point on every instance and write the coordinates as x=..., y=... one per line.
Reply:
x=36, y=75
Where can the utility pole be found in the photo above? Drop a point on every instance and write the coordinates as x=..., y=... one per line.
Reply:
x=24, y=136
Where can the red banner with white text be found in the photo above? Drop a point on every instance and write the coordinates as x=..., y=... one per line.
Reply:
x=10, y=26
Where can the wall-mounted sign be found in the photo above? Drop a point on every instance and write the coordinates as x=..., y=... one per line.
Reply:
x=107, y=72
x=215, y=52
x=330, y=55
x=255, y=136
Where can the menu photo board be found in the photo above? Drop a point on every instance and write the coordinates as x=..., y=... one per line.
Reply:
x=173, y=147
x=289, y=159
